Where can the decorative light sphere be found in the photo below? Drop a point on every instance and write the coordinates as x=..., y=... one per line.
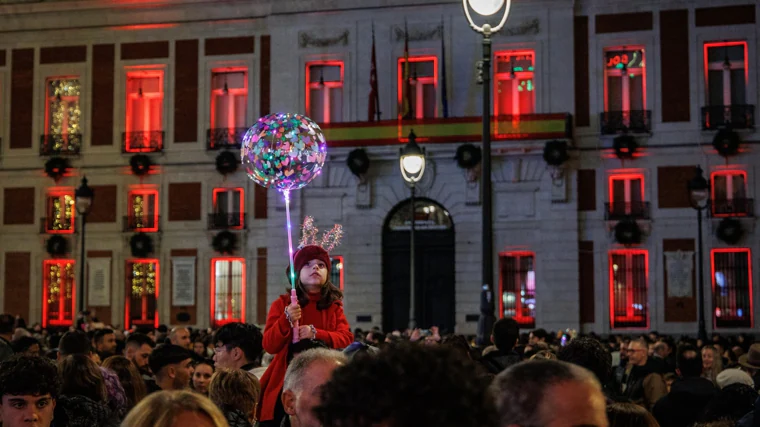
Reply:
x=284, y=151
x=486, y=7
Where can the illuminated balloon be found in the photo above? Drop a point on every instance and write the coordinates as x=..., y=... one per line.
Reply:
x=283, y=151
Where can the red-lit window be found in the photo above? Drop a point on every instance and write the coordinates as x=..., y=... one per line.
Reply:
x=324, y=91
x=732, y=288
x=515, y=88
x=624, y=81
x=726, y=73
x=227, y=290
x=421, y=77
x=626, y=194
x=62, y=112
x=517, y=283
x=629, y=276
x=142, y=292
x=60, y=212
x=229, y=98
x=336, y=271
x=729, y=193
x=145, y=104
x=143, y=210
x=58, y=294
x=229, y=208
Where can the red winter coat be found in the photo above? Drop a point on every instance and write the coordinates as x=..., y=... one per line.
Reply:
x=332, y=329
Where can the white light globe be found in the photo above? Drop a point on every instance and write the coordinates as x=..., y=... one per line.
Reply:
x=412, y=164
x=486, y=7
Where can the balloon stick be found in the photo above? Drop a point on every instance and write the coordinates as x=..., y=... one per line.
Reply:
x=293, y=295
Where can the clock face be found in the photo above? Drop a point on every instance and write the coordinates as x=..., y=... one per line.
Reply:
x=486, y=7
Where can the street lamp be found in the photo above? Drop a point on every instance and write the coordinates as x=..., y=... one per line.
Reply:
x=486, y=8
x=412, y=164
x=84, y=196
x=699, y=196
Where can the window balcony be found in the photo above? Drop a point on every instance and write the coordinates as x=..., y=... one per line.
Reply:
x=733, y=207
x=220, y=138
x=48, y=225
x=146, y=224
x=633, y=121
x=150, y=141
x=618, y=211
x=716, y=117
x=60, y=144
x=223, y=221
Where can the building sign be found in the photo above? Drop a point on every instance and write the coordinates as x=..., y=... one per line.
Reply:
x=183, y=281
x=99, y=282
x=624, y=59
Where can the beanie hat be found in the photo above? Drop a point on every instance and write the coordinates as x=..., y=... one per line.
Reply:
x=733, y=376
x=308, y=253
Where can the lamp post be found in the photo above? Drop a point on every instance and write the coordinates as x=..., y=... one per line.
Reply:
x=486, y=8
x=699, y=196
x=412, y=164
x=83, y=195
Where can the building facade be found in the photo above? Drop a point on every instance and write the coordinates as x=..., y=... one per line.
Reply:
x=149, y=100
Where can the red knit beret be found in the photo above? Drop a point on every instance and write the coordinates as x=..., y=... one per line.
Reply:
x=304, y=255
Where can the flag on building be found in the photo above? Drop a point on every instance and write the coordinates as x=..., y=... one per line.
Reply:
x=374, y=99
x=444, y=87
x=406, y=86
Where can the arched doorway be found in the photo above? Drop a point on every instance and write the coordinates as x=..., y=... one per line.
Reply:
x=434, y=267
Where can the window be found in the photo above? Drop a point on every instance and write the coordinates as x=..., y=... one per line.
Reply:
x=58, y=294
x=514, y=86
x=732, y=288
x=144, y=121
x=421, y=79
x=227, y=290
x=518, y=287
x=142, y=292
x=626, y=195
x=336, y=271
x=143, y=210
x=324, y=91
x=60, y=212
x=729, y=194
x=726, y=73
x=625, y=83
x=629, y=276
x=229, y=208
x=62, y=116
x=229, y=106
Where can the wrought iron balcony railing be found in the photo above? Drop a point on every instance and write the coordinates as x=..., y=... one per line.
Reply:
x=617, y=211
x=48, y=225
x=60, y=144
x=221, y=221
x=733, y=207
x=220, y=138
x=634, y=121
x=150, y=141
x=145, y=224
x=716, y=117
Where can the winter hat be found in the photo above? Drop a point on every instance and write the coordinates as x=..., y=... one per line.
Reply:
x=733, y=376
x=311, y=247
x=304, y=255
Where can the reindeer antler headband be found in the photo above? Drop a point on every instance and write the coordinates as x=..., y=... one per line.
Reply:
x=330, y=239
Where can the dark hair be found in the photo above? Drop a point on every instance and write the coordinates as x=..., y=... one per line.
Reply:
x=540, y=333
x=100, y=333
x=242, y=335
x=590, y=354
x=329, y=294
x=23, y=344
x=689, y=366
x=302, y=346
x=732, y=402
x=80, y=376
x=129, y=378
x=139, y=340
x=505, y=334
x=629, y=415
x=7, y=323
x=29, y=376
x=458, y=343
x=74, y=342
x=167, y=354
x=407, y=385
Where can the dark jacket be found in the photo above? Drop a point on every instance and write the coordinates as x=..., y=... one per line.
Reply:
x=684, y=404
x=753, y=418
x=496, y=361
x=6, y=350
x=80, y=411
x=645, y=385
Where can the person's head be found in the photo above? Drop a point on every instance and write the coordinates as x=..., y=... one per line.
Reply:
x=180, y=336
x=235, y=390
x=312, y=263
x=537, y=336
x=138, y=349
x=27, y=345
x=732, y=402
x=236, y=345
x=710, y=357
x=29, y=387
x=175, y=409
x=172, y=366
x=660, y=349
x=202, y=373
x=129, y=378
x=734, y=376
x=638, y=352
x=590, y=354
x=105, y=341
x=407, y=384
x=548, y=393
x=74, y=342
x=505, y=334
x=80, y=376
x=689, y=361
x=199, y=348
x=629, y=415
x=305, y=376
x=7, y=324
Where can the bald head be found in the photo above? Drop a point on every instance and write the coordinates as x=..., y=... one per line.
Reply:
x=180, y=336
